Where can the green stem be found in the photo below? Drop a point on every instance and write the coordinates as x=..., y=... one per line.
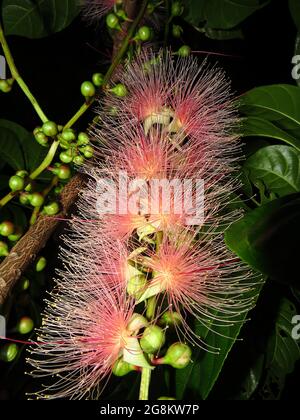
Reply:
x=145, y=383
x=15, y=74
x=114, y=64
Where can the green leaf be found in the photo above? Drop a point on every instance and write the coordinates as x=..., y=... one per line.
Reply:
x=199, y=377
x=279, y=104
x=254, y=126
x=32, y=152
x=267, y=238
x=294, y=6
x=282, y=351
x=10, y=149
x=277, y=168
x=37, y=18
x=221, y=14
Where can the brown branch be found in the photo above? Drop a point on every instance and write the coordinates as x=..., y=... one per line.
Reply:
x=29, y=246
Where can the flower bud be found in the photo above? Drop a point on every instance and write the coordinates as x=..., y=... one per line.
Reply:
x=25, y=325
x=9, y=352
x=3, y=249
x=41, y=264
x=178, y=356
x=170, y=318
x=136, y=286
x=119, y=90
x=152, y=339
x=122, y=368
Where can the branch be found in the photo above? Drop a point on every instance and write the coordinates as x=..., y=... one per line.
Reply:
x=26, y=250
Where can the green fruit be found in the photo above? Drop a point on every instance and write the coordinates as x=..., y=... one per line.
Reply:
x=50, y=129
x=177, y=8
x=16, y=183
x=184, y=51
x=5, y=87
x=9, y=352
x=41, y=138
x=119, y=90
x=40, y=264
x=7, y=228
x=98, y=79
x=177, y=31
x=88, y=152
x=3, y=249
x=68, y=135
x=24, y=283
x=79, y=160
x=153, y=339
x=88, y=89
x=112, y=21
x=83, y=139
x=52, y=208
x=36, y=199
x=144, y=33
x=66, y=157
x=25, y=325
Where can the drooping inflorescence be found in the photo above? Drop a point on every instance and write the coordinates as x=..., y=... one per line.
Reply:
x=149, y=227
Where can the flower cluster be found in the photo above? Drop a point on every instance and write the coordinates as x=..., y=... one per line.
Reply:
x=176, y=123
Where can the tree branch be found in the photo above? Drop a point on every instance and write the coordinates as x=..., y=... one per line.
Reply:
x=29, y=246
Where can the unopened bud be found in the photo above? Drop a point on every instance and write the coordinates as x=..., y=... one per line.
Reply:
x=152, y=339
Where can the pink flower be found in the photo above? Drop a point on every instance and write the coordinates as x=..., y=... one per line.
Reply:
x=82, y=336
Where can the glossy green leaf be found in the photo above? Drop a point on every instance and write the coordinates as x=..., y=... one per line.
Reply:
x=37, y=18
x=32, y=152
x=221, y=14
x=279, y=104
x=10, y=149
x=277, y=168
x=255, y=126
x=267, y=238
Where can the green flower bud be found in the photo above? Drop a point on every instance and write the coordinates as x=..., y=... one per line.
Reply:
x=24, y=198
x=6, y=228
x=119, y=90
x=9, y=352
x=152, y=339
x=3, y=249
x=22, y=173
x=24, y=283
x=41, y=138
x=83, y=139
x=66, y=157
x=112, y=21
x=97, y=79
x=79, y=160
x=58, y=189
x=170, y=318
x=16, y=183
x=51, y=209
x=40, y=264
x=88, y=152
x=68, y=135
x=136, y=286
x=177, y=31
x=16, y=235
x=177, y=8
x=5, y=87
x=144, y=33
x=184, y=51
x=88, y=89
x=50, y=129
x=178, y=356
x=122, y=368
x=36, y=199
x=25, y=325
